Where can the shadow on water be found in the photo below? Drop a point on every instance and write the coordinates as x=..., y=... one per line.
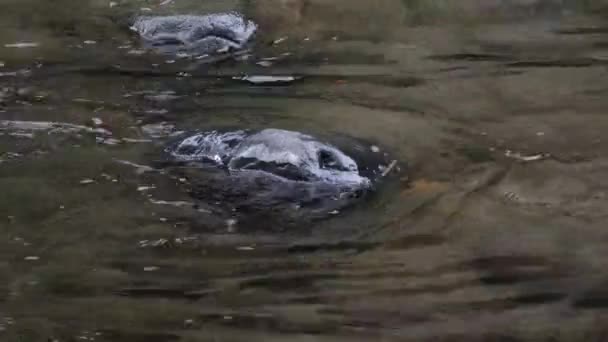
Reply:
x=489, y=225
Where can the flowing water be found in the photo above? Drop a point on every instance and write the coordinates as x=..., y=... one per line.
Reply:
x=488, y=223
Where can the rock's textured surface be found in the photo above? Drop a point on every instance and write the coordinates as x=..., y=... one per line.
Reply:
x=277, y=170
x=196, y=35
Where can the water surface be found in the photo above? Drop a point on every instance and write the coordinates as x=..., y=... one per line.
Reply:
x=490, y=227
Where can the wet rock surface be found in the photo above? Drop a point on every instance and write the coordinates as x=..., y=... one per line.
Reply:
x=195, y=35
x=277, y=173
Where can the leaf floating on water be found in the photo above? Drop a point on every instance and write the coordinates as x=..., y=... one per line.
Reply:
x=136, y=52
x=265, y=64
x=261, y=79
x=280, y=40
x=522, y=158
x=22, y=45
x=171, y=203
x=131, y=140
x=139, y=169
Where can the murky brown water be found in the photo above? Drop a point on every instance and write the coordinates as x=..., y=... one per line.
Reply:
x=492, y=228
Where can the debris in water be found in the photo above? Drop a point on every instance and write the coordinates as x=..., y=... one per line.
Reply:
x=87, y=181
x=518, y=156
x=31, y=258
x=261, y=79
x=334, y=212
x=265, y=64
x=131, y=140
x=390, y=168
x=162, y=97
x=139, y=169
x=280, y=40
x=156, y=111
x=156, y=243
x=21, y=45
x=22, y=135
x=231, y=225
x=136, y=52
x=108, y=141
x=172, y=203
x=163, y=219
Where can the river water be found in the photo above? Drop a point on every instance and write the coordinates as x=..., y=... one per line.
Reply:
x=489, y=225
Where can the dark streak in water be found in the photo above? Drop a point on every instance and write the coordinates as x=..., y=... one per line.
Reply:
x=511, y=303
x=163, y=293
x=583, y=30
x=559, y=63
x=269, y=322
x=471, y=57
x=327, y=247
x=133, y=336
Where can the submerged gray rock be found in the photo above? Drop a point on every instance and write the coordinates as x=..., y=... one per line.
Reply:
x=276, y=173
x=195, y=35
